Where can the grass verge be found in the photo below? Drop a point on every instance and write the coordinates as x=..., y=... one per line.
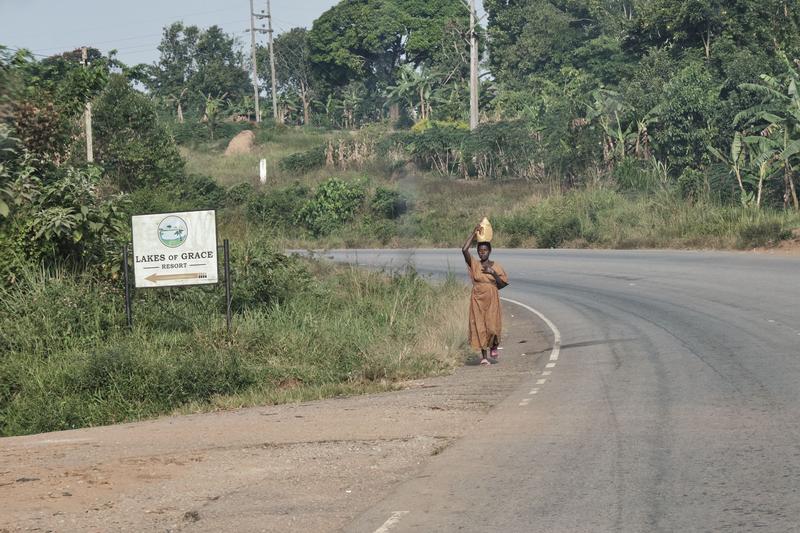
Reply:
x=69, y=361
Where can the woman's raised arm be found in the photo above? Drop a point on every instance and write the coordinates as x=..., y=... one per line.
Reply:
x=465, y=248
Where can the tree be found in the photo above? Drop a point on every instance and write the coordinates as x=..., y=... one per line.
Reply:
x=131, y=144
x=370, y=39
x=540, y=37
x=778, y=119
x=195, y=63
x=292, y=66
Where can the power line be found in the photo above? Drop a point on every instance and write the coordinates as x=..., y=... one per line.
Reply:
x=112, y=41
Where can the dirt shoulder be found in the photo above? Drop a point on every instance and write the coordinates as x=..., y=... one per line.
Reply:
x=304, y=467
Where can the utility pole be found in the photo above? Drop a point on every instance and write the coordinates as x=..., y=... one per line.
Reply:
x=272, y=63
x=87, y=114
x=253, y=59
x=473, y=68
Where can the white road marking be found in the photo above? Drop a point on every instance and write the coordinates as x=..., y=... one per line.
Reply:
x=556, y=334
x=61, y=441
x=553, y=353
x=392, y=521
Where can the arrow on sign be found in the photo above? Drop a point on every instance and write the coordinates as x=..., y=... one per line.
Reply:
x=155, y=278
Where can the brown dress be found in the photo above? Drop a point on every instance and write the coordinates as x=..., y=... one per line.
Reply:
x=485, y=318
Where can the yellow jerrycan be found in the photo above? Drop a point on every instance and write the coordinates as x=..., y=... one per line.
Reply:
x=485, y=233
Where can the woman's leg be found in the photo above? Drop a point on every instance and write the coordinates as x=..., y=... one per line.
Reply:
x=484, y=357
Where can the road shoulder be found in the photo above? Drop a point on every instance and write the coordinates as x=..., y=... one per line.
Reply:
x=312, y=466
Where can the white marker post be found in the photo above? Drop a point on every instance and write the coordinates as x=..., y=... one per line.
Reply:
x=262, y=171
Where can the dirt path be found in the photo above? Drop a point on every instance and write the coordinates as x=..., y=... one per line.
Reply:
x=305, y=467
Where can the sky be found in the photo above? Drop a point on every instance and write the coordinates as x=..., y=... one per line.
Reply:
x=134, y=27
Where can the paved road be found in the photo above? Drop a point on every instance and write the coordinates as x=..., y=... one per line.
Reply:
x=674, y=404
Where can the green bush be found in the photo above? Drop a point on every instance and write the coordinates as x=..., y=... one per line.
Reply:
x=388, y=203
x=64, y=219
x=239, y=194
x=189, y=193
x=264, y=277
x=131, y=144
x=438, y=148
x=335, y=202
x=279, y=208
x=691, y=184
x=303, y=162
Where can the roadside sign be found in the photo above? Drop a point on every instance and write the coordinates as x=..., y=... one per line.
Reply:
x=172, y=249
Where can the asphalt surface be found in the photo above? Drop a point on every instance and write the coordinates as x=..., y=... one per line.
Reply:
x=674, y=404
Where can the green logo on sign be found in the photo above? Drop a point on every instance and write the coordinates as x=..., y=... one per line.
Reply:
x=172, y=231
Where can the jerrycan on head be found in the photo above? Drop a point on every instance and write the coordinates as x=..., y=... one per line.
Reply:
x=485, y=233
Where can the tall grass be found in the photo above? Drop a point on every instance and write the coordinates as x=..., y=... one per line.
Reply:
x=68, y=361
x=604, y=218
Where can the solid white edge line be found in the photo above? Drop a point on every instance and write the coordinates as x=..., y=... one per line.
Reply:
x=556, y=334
x=392, y=521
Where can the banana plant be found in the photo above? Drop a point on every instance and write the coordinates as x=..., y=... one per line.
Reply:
x=777, y=118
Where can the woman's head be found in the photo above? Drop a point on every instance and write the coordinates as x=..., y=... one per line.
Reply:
x=484, y=249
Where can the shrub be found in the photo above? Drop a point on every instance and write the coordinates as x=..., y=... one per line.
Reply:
x=63, y=220
x=280, y=208
x=303, y=162
x=264, y=277
x=691, y=184
x=388, y=203
x=438, y=148
x=131, y=144
x=239, y=194
x=335, y=202
x=192, y=192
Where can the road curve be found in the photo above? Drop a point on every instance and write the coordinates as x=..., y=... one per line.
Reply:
x=674, y=405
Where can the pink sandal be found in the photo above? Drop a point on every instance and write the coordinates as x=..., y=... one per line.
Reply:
x=485, y=362
x=495, y=353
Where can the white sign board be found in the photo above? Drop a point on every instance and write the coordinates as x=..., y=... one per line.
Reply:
x=175, y=249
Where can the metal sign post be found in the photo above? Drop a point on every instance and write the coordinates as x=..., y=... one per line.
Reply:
x=227, y=268
x=126, y=277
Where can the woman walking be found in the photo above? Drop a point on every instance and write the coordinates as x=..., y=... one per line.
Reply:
x=485, y=318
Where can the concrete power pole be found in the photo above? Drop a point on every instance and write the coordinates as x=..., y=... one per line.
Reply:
x=87, y=113
x=253, y=59
x=272, y=63
x=473, y=68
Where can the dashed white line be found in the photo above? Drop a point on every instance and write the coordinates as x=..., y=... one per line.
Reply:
x=392, y=521
x=554, y=353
